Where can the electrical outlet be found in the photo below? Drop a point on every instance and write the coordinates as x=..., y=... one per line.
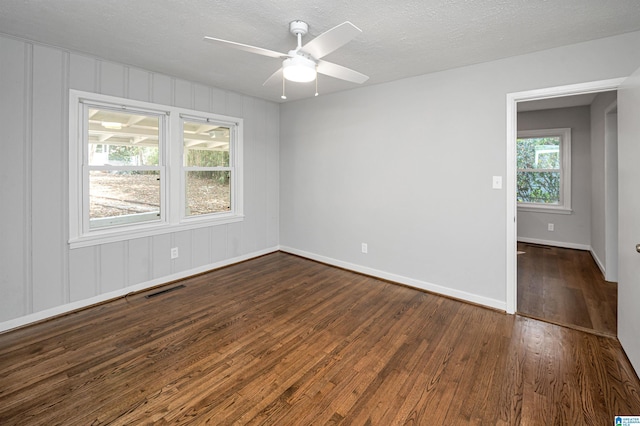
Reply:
x=365, y=248
x=174, y=252
x=550, y=227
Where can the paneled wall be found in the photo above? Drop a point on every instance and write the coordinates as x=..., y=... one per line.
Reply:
x=39, y=274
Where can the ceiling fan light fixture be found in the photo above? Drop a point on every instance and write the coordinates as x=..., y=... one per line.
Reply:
x=299, y=69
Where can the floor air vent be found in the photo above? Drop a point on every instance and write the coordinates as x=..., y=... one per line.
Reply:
x=158, y=293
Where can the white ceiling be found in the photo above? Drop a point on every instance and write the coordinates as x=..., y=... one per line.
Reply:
x=400, y=38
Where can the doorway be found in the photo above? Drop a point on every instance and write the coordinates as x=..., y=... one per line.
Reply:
x=611, y=190
x=513, y=100
x=561, y=257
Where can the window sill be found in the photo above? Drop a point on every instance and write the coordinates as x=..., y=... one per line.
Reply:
x=541, y=209
x=104, y=237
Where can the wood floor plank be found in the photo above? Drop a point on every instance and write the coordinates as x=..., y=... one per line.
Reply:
x=280, y=340
x=566, y=287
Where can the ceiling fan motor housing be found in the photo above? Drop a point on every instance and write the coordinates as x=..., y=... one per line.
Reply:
x=298, y=27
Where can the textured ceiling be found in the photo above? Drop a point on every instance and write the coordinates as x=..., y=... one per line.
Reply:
x=399, y=39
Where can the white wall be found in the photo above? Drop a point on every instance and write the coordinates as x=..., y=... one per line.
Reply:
x=39, y=275
x=598, y=158
x=570, y=230
x=407, y=167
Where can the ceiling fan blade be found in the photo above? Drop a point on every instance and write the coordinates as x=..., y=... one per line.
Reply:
x=275, y=78
x=247, y=48
x=343, y=73
x=331, y=40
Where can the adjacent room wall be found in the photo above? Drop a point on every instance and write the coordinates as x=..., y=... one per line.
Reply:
x=39, y=275
x=407, y=168
x=570, y=230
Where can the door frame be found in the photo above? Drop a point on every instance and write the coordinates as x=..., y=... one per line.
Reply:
x=611, y=192
x=510, y=179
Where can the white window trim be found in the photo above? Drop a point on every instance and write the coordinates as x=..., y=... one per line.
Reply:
x=564, y=204
x=172, y=211
x=235, y=163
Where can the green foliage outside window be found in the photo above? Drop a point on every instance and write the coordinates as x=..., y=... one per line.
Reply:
x=538, y=177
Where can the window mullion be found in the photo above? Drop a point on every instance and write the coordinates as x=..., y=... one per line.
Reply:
x=175, y=182
x=540, y=170
x=207, y=169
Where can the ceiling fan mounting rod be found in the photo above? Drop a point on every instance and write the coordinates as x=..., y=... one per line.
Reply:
x=298, y=29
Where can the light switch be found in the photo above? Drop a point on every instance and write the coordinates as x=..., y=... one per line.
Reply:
x=497, y=182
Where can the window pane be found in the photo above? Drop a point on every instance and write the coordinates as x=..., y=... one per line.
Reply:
x=539, y=153
x=208, y=192
x=539, y=187
x=205, y=145
x=122, y=139
x=117, y=198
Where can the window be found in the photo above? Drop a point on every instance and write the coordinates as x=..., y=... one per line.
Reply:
x=544, y=170
x=208, y=171
x=139, y=169
x=123, y=166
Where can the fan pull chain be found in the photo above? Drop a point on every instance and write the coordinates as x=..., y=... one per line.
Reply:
x=316, y=83
x=283, y=95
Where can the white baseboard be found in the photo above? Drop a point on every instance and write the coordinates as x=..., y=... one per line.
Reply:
x=566, y=245
x=598, y=262
x=411, y=282
x=554, y=243
x=105, y=297
x=570, y=246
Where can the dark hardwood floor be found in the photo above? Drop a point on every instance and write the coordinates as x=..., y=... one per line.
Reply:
x=281, y=340
x=566, y=287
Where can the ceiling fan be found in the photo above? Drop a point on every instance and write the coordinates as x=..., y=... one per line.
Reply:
x=304, y=62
